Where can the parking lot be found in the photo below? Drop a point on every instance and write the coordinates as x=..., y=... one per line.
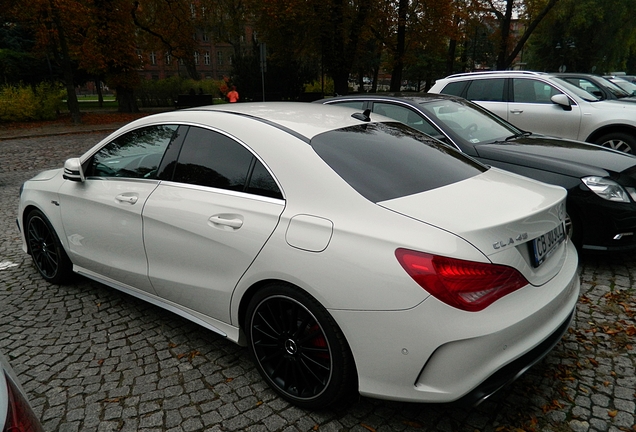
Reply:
x=94, y=359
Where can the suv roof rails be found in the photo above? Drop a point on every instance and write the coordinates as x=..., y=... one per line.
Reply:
x=493, y=72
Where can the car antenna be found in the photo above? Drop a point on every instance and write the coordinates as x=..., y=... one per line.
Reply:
x=364, y=116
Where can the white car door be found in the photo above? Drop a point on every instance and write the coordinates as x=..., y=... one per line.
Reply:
x=533, y=110
x=203, y=229
x=102, y=215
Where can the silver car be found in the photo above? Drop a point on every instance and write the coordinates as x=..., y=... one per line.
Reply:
x=541, y=103
x=16, y=414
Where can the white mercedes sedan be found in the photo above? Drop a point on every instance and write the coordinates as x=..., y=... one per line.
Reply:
x=350, y=253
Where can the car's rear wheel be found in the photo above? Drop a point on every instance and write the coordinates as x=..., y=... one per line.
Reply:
x=46, y=249
x=618, y=141
x=298, y=347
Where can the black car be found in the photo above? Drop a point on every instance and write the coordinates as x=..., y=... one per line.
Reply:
x=599, y=86
x=601, y=182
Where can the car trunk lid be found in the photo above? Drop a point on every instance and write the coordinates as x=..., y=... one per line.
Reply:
x=501, y=215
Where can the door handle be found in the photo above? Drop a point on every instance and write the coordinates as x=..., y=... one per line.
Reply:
x=226, y=220
x=516, y=111
x=126, y=198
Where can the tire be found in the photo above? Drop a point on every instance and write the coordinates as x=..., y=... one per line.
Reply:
x=298, y=348
x=618, y=141
x=46, y=250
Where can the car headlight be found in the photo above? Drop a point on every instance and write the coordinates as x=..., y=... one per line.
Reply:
x=606, y=189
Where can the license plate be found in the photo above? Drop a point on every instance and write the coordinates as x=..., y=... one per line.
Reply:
x=544, y=245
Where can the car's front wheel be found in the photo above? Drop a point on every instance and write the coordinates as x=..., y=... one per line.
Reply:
x=618, y=141
x=298, y=347
x=46, y=249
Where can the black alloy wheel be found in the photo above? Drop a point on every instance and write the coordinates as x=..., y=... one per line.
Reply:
x=45, y=248
x=298, y=348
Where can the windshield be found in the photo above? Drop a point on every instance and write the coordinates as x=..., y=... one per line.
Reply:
x=467, y=122
x=578, y=91
x=596, y=85
x=630, y=88
x=615, y=89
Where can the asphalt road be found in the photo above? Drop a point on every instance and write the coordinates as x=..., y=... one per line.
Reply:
x=94, y=359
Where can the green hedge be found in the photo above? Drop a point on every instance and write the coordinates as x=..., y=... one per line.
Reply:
x=24, y=103
x=163, y=93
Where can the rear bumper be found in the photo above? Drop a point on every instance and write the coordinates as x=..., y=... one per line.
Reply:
x=514, y=370
x=434, y=353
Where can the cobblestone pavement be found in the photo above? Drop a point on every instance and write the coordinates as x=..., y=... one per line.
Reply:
x=94, y=359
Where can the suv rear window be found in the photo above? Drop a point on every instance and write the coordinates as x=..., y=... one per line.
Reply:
x=490, y=90
x=383, y=161
x=455, y=88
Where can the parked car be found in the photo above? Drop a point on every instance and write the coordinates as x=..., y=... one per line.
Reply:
x=599, y=86
x=541, y=103
x=624, y=83
x=332, y=244
x=601, y=183
x=16, y=414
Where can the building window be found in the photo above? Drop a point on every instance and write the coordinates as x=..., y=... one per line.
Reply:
x=168, y=58
x=153, y=58
x=205, y=36
x=206, y=58
x=219, y=57
x=193, y=10
x=196, y=57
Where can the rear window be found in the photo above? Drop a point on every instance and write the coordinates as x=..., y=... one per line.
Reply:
x=488, y=90
x=383, y=161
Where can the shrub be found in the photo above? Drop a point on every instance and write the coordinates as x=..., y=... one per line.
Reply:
x=164, y=92
x=23, y=103
x=316, y=86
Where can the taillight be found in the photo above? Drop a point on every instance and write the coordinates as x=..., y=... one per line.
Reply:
x=467, y=285
x=20, y=417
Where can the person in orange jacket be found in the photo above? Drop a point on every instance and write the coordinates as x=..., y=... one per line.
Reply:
x=233, y=95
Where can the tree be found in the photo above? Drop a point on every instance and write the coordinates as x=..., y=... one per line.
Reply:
x=408, y=28
x=54, y=24
x=170, y=26
x=585, y=35
x=109, y=50
x=325, y=32
x=529, y=12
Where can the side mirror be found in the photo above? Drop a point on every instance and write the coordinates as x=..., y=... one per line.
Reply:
x=562, y=100
x=73, y=170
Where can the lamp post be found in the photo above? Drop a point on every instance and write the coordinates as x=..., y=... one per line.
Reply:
x=567, y=45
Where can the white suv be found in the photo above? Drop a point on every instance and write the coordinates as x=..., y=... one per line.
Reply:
x=542, y=103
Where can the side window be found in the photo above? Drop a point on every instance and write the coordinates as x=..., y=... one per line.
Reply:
x=211, y=159
x=487, y=90
x=351, y=104
x=532, y=91
x=454, y=88
x=405, y=116
x=137, y=154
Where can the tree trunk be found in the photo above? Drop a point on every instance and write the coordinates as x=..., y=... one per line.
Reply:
x=126, y=100
x=191, y=69
x=341, y=82
x=398, y=61
x=67, y=68
x=506, y=19
x=100, y=94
